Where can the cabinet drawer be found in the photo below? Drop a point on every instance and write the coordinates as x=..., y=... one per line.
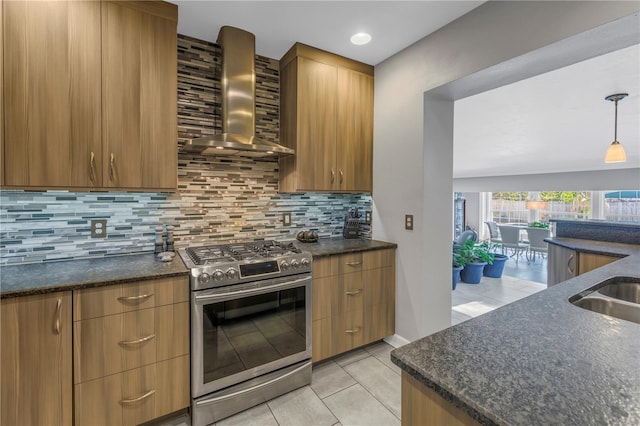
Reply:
x=135, y=396
x=347, y=330
x=325, y=267
x=115, y=299
x=115, y=343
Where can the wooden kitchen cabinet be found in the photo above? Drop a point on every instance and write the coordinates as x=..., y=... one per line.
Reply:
x=353, y=301
x=327, y=117
x=131, y=351
x=139, y=94
x=89, y=94
x=589, y=261
x=51, y=93
x=35, y=360
x=564, y=263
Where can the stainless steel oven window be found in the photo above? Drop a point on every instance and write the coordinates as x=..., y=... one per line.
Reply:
x=248, y=330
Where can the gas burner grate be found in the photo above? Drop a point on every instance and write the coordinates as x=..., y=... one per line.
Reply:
x=211, y=255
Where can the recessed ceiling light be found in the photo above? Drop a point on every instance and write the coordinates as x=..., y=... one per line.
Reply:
x=360, y=38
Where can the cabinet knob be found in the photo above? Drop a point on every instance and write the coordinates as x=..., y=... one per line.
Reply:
x=341, y=176
x=333, y=176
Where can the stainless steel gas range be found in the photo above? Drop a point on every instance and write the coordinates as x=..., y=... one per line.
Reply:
x=250, y=325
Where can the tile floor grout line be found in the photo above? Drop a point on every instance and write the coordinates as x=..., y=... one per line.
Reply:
x=368, y=391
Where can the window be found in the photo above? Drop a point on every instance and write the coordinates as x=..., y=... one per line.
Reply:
x=622, y=206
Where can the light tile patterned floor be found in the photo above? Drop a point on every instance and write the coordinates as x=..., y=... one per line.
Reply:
x=471, y=300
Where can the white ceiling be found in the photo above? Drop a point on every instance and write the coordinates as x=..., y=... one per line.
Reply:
x=554, y=122
x=327, y=25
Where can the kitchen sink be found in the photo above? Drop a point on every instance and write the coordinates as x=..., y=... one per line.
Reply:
x=618, y=297
x=628, y=291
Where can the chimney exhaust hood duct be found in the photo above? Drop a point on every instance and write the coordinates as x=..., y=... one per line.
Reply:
x=238, y=103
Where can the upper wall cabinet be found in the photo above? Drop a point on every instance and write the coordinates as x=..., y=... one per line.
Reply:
x=326, y=115
x=89, y=95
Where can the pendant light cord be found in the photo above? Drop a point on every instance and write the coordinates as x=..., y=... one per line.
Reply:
x=615, y=128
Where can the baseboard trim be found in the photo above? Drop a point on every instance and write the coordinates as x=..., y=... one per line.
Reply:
x=396, y=340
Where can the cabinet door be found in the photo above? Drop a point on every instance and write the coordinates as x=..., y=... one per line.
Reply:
x=35, y=360
x=139, y=60
x=379, y=303
x=561, y=265
x=588, y=261
x=316, y=148
x=354, y=138
x=52, y=93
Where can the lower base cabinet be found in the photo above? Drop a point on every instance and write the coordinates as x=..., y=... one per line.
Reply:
x=135, y=396
x=421, y=405
x=353, y=301
x=35, y=360
x=131, y=352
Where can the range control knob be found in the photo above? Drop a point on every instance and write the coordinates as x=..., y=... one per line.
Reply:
x=284, y=266
x=232, y=273
x=218, y=275
x=295, y=264
x=204, y=278
x=304, y=262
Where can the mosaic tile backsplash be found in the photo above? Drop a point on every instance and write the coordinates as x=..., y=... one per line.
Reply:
x=218, y=198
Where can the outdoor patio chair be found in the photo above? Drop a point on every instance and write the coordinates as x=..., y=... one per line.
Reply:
x=537, y=244
x=494, y=232
x=511, y=240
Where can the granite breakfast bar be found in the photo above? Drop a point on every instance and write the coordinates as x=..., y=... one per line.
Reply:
x=537, y=361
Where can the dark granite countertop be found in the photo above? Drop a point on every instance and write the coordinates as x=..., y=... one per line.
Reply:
x=37, y=278
x=597, y=247
x=332, y=246
x=597, y=222
x=539, y=360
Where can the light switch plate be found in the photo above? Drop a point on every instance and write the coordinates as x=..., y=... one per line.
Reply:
x=408, y=222
x=367, y=217
x=286, y=219
x=98, y=228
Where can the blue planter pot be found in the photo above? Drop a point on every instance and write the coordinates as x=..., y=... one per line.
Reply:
x=472, y=272
x=495, y=270
x=455, y=276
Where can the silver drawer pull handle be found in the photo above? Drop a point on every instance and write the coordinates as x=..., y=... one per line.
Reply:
x=353, y=293
x=137, y=341
x=354, y=331
x=354, y=263
x=140, y=398
x=92, y=167
x=56, y=323
x=135, y=298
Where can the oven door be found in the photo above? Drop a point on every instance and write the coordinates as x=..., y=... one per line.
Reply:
x=243, y=331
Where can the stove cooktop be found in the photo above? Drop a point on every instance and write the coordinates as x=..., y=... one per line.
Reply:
x=237, y=252
x=233, y=263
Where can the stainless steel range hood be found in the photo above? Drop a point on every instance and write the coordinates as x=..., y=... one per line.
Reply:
x=238, y=103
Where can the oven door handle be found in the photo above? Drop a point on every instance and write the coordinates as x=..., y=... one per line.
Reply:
x=207, y=298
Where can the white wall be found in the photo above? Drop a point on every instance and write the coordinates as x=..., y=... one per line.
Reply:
x=410, y=177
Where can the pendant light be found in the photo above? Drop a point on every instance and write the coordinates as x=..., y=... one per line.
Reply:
x=615, y=153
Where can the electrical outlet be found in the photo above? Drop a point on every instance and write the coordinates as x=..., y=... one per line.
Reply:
x=408, y=222
x=286, y=219
x=98, y=228
x=367, y=217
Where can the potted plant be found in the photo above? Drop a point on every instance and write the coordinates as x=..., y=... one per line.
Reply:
x=494, y=269
x=544, y=225
x=475, y=257
x=457, y=264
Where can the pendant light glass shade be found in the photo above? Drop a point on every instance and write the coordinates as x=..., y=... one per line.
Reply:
x=615, y=152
